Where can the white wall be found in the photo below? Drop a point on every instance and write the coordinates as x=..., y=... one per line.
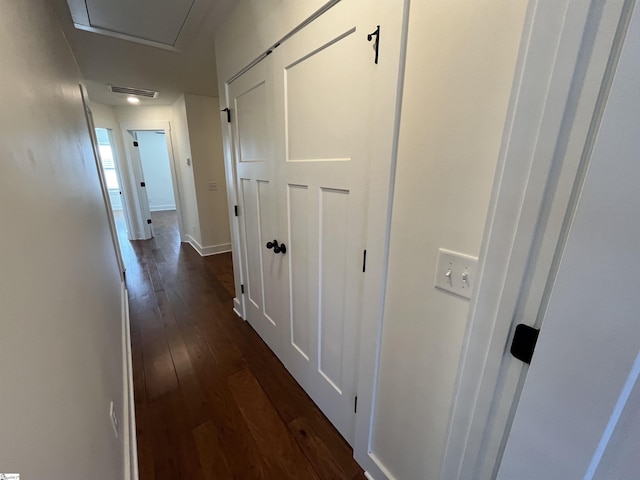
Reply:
x=157, y=170
x=460, y=63
x=205, y=141
x=184, y=166
x=130, y=115
x=60, y=310
x=262, y=23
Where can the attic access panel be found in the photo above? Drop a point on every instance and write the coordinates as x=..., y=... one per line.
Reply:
x=167, y=24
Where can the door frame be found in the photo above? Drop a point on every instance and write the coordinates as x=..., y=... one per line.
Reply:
x=135, y=169
x=575, y=46
x=124, y=197
x=103, y=183
x=231, y=177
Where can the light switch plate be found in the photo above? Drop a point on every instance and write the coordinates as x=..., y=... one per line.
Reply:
x=456, y=272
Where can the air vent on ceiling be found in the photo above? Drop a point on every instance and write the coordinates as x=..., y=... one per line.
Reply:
x=140, y=92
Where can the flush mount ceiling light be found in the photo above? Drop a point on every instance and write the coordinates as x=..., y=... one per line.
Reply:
x=133, y=100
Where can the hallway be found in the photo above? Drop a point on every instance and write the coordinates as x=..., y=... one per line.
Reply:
x=212, y=401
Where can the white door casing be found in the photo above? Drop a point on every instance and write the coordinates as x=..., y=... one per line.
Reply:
x=103, y=183
x=576, y=415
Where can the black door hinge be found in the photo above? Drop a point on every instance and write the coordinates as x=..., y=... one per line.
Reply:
x=242, y=289
x=228, y=110
x=135, y=144
x=149, y=221
x=355, y=405
x=524, y=342
x=364, y=261
x=376, y=45
x=142, y=184
x=235, y=209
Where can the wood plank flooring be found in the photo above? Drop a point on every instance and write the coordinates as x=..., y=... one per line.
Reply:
x=212, y=401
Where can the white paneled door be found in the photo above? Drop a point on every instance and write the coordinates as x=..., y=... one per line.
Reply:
x=323, y=87
x=302, y=124
x=251, y=98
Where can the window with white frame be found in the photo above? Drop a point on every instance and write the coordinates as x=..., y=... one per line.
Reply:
x=106, y=158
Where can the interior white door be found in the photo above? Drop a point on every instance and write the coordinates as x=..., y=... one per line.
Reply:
x=578, y=413
x=251, y=100
x=141, y=192
x=323, y=96
x=303, y=120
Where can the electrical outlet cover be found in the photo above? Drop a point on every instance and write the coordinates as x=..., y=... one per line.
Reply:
x=114, y=419
x=455, y=273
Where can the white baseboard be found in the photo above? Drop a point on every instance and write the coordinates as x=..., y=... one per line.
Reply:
x=216, y=249
x=162, y=208
x=129, y=418
x=208, y=250
x=237, y=308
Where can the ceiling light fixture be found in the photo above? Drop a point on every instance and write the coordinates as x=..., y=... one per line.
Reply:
x=133, y=100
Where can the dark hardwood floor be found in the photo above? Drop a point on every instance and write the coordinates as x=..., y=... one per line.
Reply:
x=212, y=401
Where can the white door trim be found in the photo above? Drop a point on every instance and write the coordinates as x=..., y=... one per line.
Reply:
x=560, y=86
x=232, y=201
x=130, y=438
x=380, y=203
x=103, y=183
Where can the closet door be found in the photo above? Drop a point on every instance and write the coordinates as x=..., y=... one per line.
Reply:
x=264, y=272
x=323, y=83
x=303, y=122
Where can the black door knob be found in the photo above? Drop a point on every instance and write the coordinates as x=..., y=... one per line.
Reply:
x=273, y=244
x=277, y=248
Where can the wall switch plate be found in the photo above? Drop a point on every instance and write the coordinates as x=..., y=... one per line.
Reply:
x=213, y=186
x=456, y=272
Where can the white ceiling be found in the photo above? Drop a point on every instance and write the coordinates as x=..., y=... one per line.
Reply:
x=182, y=61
